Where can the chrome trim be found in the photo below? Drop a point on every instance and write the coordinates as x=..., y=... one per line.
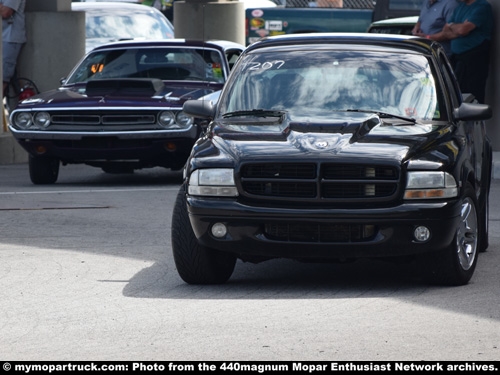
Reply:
x=191, y=132
x=98, y=108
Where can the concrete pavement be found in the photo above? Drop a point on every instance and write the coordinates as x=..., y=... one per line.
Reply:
x=87, y=274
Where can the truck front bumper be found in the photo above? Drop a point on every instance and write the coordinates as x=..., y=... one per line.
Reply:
x=324, y=233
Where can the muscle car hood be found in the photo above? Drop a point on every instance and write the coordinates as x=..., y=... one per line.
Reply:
x=113, y=93
x=350, y=137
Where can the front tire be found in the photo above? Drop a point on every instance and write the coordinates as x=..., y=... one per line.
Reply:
x=455, y=265
x=43, y=170
x=196, y=264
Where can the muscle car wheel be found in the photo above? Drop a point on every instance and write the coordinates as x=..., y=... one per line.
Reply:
x=43, y=171
x=196, y=264
x=455, y=265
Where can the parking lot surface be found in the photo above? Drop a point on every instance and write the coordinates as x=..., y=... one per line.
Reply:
x=86, y=273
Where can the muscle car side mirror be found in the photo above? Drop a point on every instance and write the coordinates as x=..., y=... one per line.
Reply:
x=473, y=112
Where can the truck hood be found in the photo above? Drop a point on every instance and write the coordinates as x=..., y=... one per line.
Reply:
x=121, y=92
x=345, y=137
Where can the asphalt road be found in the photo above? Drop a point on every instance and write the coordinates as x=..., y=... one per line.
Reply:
x=86, y=273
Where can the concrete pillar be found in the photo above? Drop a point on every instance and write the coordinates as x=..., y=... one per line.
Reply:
x=205, y=20
x=55, y=43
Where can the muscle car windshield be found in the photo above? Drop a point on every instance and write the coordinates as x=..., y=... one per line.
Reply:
x=308, y=85
x=174, y=63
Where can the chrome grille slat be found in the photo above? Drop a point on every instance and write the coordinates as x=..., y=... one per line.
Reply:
x=128, y=119
x=118, y=119
x=71, y=119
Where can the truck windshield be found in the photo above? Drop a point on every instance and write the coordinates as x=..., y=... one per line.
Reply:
x=316, y=84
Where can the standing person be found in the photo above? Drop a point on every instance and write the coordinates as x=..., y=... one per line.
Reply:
x=470, y=29
x=433, y=16
x=168, y=10
x=13, y=36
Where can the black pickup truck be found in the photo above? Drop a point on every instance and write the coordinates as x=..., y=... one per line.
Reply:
x=303, y=16
x=335, y=147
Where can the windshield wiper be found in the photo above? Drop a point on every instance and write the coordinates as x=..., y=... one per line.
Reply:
x=255, y=113
x=384, y=115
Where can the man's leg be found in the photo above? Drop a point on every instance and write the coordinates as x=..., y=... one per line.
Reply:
x=10, y=52
x=471, y=69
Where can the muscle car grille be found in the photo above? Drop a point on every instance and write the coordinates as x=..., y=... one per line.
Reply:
x=325, y=233
x=321, y=182
x=88, y=119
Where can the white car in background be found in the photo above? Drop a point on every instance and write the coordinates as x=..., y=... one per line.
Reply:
x=114, y=21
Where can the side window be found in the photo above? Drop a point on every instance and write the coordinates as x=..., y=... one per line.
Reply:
x=232, y=56
x=450, y=81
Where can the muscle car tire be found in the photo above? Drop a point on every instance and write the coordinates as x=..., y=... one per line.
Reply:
x=43, y=171
x=455, y=265
x=196, y=264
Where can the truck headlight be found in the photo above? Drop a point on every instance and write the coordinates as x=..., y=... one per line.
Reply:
x=218, y=182
x=430, y=185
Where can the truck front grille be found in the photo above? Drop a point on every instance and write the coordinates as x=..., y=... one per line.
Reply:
x=325, y=182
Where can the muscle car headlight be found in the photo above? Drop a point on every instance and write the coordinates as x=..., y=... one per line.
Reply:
x=42, y=119
x=430, y=185
x=183, y=120
x=166, y=119
x=22, y=120
x=218, y=182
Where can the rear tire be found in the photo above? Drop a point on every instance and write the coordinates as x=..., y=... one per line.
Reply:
x=455, y=265
x=196, y=264
x=43, y=170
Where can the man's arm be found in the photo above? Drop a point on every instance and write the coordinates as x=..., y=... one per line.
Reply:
x=453, y=31
x=6, y=12
x=417, y=30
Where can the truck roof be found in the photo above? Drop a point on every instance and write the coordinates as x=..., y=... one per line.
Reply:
x=383, y=40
